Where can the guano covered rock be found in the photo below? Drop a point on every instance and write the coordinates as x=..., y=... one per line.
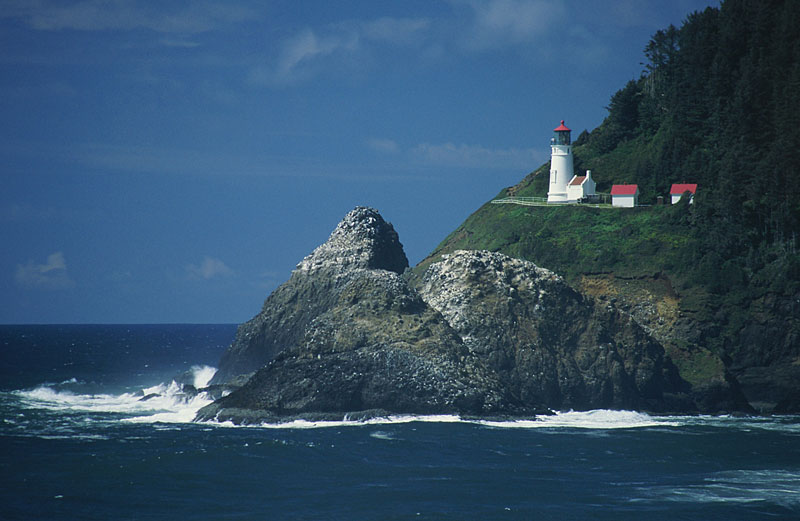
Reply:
x=479, y=333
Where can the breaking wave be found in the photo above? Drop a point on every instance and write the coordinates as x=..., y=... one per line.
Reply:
x=597, y=419
x=179, y=400
x=171, y=402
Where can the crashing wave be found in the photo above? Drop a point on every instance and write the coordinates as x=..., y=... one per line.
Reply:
x=171, y=402
x=599, y=419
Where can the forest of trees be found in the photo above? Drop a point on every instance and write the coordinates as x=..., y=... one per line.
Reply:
x=717, y=104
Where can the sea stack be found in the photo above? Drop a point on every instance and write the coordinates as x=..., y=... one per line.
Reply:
x=363, y=240
x=346, y=334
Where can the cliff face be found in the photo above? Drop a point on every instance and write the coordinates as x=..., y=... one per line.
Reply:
x=480, y=333
x=544, y=340
x=378, y=347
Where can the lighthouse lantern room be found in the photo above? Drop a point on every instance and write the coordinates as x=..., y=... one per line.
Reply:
x=561, y=168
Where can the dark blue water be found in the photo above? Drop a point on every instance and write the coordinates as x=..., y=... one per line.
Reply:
x=70, y=450
x=107, y=355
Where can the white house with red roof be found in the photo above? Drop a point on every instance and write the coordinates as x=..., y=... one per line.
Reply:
x=679, y=189
x=625, y=196
x=580, y=186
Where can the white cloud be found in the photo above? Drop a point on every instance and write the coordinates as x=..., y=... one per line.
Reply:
x=179, y=43
x=52, y=275
x=398, y=31
x=384, y=146
x=496, y=23
x=476, y=156
x=300, y=51
x=299, y=55
x=306, y=52
x=208, y=269
x=460, y=155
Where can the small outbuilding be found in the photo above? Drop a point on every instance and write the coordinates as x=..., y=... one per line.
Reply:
x=580, y=187
x=625, y=196
x=679, y=189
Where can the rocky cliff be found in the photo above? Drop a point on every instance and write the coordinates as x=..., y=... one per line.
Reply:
x=479, y=333
x=346, y=333
x=362, y=241
x=544, y=340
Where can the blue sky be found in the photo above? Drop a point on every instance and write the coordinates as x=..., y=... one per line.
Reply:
x=173, y=164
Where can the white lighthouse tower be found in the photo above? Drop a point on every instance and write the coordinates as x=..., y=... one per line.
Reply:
x=561, y=170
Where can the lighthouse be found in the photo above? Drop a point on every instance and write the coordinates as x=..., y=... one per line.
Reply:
x=561, y=170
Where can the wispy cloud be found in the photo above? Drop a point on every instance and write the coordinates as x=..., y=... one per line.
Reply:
x=108, y=15
x=208, y=268
x=179, y=43
x=475, y=156
x=139, y=159
x=306, y=52
x=398, y=31
x=25, y=212
x=306, y=48
x=148, y=160
x=384, y=146
x=460, y=155
x=162, y=160
x=497, y=23
x=52, y=275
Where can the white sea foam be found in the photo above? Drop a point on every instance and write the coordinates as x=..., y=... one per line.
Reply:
x=166, y=402
x=202, y=375
x=785, y=423
x=596, y=419
x=346, y=422
x=737, y=486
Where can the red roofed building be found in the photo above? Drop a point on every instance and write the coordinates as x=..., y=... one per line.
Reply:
x=580, y=186
x=625, y=196
x=678, y=189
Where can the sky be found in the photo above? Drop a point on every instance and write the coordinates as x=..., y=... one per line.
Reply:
x=171, y=162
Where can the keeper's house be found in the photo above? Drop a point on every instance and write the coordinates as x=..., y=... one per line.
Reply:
x=678, y=190
x=625, y=196
x=580, y=187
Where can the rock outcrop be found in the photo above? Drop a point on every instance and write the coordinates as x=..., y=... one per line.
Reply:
x=346, y=333
x=547, y=343
x=361, y=241
x=480, y=334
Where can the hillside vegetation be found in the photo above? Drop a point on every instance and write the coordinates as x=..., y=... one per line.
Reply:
x=718, y=281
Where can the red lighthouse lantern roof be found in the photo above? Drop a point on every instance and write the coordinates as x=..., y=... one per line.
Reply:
x=561, y=128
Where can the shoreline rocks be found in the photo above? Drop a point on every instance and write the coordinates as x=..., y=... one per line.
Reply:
x=480, y=334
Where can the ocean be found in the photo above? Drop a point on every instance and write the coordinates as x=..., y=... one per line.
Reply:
x=78, y=441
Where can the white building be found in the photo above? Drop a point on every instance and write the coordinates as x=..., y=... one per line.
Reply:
x=678, y=189
x=561, y=169
x=580, y=186
x=625, y=196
